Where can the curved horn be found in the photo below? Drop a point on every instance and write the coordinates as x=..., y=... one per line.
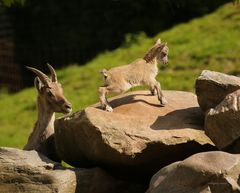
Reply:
x=53, y=73
x=43, y=77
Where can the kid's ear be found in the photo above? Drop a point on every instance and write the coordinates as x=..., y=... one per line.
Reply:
x=104, y=72
x=38, y=84
x=158, y=41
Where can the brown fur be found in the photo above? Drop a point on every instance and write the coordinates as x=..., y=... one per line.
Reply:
x=153, y=52
x=50, y=100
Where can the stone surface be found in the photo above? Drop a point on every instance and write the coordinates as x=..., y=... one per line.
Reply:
x=222, y=123
x=212, y=87
x=139, y=136
x=29, y=171
x=208, y=172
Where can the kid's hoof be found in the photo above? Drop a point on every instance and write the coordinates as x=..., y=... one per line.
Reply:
x=109, y=109
x=163, y=102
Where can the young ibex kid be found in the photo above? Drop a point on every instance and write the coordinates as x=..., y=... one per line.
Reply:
x=140, y=72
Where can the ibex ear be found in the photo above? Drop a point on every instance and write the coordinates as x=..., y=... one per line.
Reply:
x=158, y=41
x=38, y=84
x=104, y=72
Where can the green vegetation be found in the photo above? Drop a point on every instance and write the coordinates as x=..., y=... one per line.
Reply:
x=61, y=31
x=211, y=42
x=9, y=3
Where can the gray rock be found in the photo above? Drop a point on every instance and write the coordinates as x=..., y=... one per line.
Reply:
x=29, y=171
x=208, y=172
x=212, y=87
x=139, y=136
x=222, y=123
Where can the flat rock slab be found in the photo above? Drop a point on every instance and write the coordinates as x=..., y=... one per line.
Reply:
x=208, y=172
x=212, y=87
x=29, y=171
x=138, y=136
x=222, y=123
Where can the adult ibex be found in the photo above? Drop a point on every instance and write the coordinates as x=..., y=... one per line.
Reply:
x=140, y=72
x=50, y=100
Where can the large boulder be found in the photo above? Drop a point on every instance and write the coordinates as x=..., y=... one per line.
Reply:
x=29, y=171
x=212, y=87
x=222, y=123
x=138, y=136
x=208, y=172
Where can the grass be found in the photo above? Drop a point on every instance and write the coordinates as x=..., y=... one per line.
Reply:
x=210, y=42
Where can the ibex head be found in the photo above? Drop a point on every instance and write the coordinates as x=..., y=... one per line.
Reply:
x=160, y=51
x=51, y=91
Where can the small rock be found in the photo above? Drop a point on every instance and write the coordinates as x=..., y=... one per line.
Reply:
x=212, y=87
x=222, y=122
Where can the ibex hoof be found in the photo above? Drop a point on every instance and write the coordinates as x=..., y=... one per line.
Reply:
x=163, y=102
x=109, y=109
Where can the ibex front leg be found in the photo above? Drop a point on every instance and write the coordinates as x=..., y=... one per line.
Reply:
x=103, y=91
x=153, y=90
x=161, y=98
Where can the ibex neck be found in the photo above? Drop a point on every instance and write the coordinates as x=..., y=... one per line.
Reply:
x=44, y=126
x=154, y=61
x=46, y=117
